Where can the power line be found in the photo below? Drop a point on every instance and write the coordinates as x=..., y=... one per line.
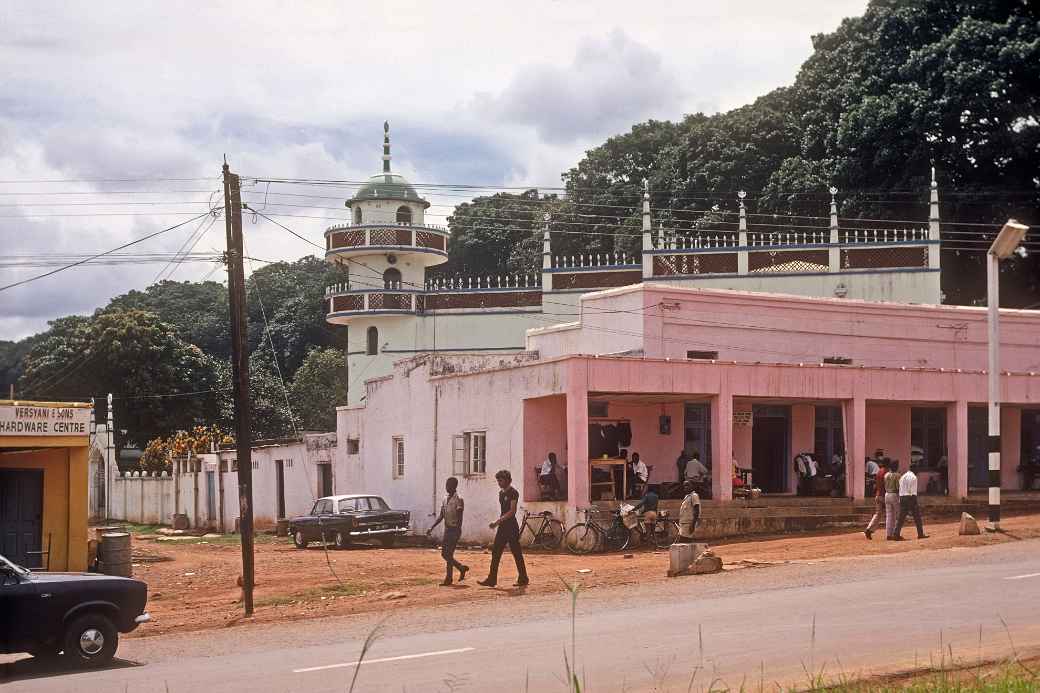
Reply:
x=118, y=248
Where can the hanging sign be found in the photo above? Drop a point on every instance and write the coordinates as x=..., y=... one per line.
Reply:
x=30, y=420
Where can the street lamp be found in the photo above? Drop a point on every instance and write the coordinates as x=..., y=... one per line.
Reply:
x=1003, y=246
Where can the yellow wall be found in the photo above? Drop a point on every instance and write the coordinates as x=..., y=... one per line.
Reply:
x=65, y=475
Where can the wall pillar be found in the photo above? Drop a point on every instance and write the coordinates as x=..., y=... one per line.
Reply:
x=957, y=448
x=803, y=436
x=722, y=445
x=577, y=444
x=855, y=414
x=1010, y=447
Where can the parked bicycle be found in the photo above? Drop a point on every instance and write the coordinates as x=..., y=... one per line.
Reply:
x=589, y=536
x=662, y=534
x=541, y=530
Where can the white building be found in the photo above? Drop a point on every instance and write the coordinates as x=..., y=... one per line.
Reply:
x=397, y=311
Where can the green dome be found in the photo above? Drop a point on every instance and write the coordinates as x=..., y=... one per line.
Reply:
x=387, y=186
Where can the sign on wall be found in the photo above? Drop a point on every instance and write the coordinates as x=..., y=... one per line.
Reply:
x=742, y=417
x=28, y=420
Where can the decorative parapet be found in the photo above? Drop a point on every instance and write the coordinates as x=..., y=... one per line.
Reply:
x=500, y=281
x=421, y=237
x=613, y=260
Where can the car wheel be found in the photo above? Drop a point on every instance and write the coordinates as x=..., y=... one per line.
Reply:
x=90, y=640
x=389, y=541
x=298, y=540
x=341, y=540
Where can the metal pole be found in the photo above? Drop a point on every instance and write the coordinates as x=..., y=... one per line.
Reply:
x=993, y=314
x=240, y=378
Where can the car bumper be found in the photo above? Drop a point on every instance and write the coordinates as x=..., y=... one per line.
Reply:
x=143, y=618
x=376, y=532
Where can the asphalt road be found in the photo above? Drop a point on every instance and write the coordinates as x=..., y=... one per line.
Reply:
x=841, y=617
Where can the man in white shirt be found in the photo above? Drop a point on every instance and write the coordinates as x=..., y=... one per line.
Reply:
x=689, y=514
x=640, y=475
x=547, y=478
x=908, y=505
x=695, y=470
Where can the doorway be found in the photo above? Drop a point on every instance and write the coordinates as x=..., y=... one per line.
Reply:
x=21, y=516
x=978, y=447
x=697, y=436
x=211, y=497
x=279, y=487
x=324, y=479
x=770, y=443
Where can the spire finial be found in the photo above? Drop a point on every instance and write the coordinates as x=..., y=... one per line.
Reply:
x=386, y=146
x=646, y=188
x=935, y=184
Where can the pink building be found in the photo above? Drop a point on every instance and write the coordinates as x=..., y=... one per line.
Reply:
x=741, y=379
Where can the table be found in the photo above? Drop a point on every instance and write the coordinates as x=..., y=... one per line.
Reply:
x=610, y=463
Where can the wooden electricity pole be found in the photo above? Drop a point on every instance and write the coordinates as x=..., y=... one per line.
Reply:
x=240, y=377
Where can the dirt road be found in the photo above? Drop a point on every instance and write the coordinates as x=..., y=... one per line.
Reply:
x=194, y=587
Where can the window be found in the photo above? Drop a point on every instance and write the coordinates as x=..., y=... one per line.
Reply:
x=347, y=505
x=362, y=505
x=377, y=503
x=353, y=446
x=597, y=410
x=322, y=507
x=703, y=355
x=404, y=215
x=372, y=341
x=398, y=458
x=469, y=453
x=392, y=278
x=357, y=215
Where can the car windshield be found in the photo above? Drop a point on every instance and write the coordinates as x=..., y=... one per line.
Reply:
x=14, y=567
x=378, y=503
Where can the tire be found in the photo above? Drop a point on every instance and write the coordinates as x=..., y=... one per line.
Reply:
x=552, y=536
x=389, y=541
x=618, y=537
x=665, y=533
x=340, y=540
x=582, y=538
x=298, y=540
x=90, y=640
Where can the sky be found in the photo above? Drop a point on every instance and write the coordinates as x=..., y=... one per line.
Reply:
x=115, y=116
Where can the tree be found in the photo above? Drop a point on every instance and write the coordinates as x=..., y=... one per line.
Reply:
x=198, y=312
x=319, y=387
x=161, y=383
x=270, y=416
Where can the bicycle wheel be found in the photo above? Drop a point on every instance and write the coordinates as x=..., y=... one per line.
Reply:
x=617, y=537
x=582, y=538
x=528, y=538
x=552, y=535
x=665, y=533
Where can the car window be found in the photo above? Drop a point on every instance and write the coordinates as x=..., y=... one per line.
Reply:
x=362, y=504
x=317, y=508
x=378, y=503
x=347, y=505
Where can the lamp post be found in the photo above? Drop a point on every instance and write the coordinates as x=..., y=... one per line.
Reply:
x=1004, y=245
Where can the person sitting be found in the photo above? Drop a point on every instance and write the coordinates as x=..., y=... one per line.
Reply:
x=695, y=470
x=640, y=475
x=648, y=504
x=689, y=514
x=807, y=468
x=547, y=479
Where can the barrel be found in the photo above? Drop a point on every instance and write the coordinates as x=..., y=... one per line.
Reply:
x=114, y=554
x=281, y=527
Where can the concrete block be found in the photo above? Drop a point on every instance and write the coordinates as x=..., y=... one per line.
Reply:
x=969, y=525
x=682, y=556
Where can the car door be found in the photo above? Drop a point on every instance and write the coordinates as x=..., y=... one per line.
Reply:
x=20, y=610
x=309, y=523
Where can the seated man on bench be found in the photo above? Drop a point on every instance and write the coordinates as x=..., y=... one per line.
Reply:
x=548, y=482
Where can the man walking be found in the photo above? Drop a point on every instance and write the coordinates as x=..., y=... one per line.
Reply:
x=891, y=486
x=507, y=533
x=451, y=514
x=908, y=505
x=879, y=499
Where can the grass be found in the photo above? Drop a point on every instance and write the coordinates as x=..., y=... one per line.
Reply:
x=313, y=594
x=1009, y=677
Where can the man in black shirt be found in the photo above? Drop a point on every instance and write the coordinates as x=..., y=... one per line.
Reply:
x=507, y=533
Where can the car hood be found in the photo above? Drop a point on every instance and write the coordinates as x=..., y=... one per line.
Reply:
x=77, y=577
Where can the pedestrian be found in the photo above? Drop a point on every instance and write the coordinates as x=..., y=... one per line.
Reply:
x=451, y=514
x=507, y=532
x=689, y=514
x=879, y=499
x=681, y=463
x=908, y=505
x=891, y=485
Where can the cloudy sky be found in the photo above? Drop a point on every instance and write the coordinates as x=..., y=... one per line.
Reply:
x=115, y=116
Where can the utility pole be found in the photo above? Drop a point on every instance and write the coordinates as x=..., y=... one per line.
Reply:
x=240, y=377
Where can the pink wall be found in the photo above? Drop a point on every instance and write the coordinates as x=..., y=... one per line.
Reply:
x=1010, y=447
x=888, y=428
x=659, y=451
x=545, y=431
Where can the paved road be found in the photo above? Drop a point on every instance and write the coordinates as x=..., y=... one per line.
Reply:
x=753, y=626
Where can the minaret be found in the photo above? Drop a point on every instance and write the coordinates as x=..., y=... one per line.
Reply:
x=386, y=147
x=742, y=237
x=933, y=223
x=834, y=252
x=648, y=242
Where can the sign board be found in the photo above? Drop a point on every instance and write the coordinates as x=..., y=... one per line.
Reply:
x=742, y=417
x=29, y=420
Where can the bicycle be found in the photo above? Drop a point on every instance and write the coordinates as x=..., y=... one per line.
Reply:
x=589, y=536
x=549, y=532
x=663, y=533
